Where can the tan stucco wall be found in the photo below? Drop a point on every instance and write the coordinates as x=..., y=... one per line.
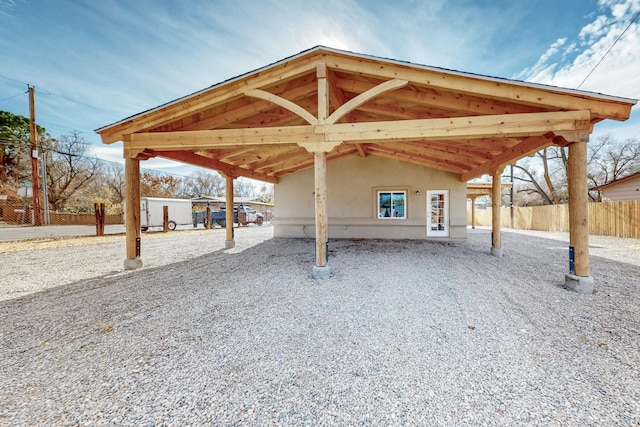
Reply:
x=352, y=185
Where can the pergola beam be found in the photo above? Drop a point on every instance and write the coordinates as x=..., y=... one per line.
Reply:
x=474, y=127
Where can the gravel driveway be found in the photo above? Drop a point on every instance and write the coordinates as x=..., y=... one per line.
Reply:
x=403, y=333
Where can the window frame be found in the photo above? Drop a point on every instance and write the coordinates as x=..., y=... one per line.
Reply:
x=391, y=192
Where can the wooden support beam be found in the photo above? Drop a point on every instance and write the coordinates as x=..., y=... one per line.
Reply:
x=218, y=138
x=229, y=241
x=354, y=103
x=327, y=137
x=320, y=177
x=496, y=199
x=578, y=207
x=473, y=211
x=323, y=93
x=284, y=103
x=132, y=213
x=508, y=125
x=528, y=145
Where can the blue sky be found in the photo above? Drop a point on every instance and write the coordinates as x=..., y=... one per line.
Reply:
x=96, y=62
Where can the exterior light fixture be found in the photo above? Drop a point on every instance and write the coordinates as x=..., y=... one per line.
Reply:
x=417, y=192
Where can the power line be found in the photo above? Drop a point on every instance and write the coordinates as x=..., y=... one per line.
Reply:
x=609, y=50
x=14, y=80
x=13, y=96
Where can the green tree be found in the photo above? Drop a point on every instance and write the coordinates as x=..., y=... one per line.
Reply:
x=15, y=147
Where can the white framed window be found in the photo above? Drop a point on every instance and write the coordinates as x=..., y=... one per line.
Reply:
x=392, y=204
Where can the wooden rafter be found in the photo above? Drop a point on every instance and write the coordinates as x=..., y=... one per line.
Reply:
x=381, y=151
x=444, y=101
x=522, y=149
x=490, y=88
x=259, y=121
x=206, y=162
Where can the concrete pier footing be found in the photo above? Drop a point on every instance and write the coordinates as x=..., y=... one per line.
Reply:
x=321, y=272
x=496, y=252
x=580, y=284
x=132, y=264
x=229, y=244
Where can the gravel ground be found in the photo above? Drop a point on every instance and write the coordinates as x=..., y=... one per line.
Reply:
x=403, y=333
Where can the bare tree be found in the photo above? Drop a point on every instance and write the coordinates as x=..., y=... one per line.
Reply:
x=203, y=183
x=543, y=178
x=110, y=183
x=243, y=187
x=68, y=168
x=610, y=160
x=265, y=193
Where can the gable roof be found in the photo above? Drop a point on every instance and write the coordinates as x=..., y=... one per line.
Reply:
x=265, y=123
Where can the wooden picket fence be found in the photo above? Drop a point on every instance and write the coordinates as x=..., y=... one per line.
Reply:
x=619, y=219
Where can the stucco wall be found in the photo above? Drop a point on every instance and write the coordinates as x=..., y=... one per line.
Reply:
x=352, y=185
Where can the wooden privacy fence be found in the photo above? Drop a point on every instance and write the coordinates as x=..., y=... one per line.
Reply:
x=619, y=219
x=17, y=214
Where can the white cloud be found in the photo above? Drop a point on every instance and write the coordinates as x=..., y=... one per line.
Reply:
x=617, y=74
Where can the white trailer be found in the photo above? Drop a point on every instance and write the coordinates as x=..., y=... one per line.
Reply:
x=152, y=214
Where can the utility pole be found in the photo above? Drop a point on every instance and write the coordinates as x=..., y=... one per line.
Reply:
x=35, y=179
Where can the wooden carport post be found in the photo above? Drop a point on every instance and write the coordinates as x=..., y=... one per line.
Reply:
x=578, y=278
x=132, y=215
x=496, y=197
x=229, y=241
x=473, y=211
x=321, y=270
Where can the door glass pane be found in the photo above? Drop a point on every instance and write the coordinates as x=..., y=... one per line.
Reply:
x=437, y=212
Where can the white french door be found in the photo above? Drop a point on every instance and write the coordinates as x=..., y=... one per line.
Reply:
x=437, y=213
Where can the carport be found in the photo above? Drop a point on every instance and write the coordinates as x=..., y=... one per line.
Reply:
x=325, y=104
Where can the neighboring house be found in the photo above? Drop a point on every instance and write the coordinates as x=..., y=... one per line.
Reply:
x=627, y=188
